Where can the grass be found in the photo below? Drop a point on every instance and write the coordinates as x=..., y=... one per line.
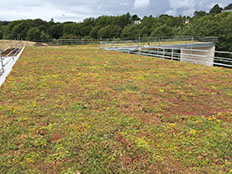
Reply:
x=6, y=43
x=82, y=109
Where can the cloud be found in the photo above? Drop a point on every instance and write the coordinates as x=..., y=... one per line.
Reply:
x=188, y=7
x=77, y=10
x=175, y=4
x=138, y=4
x=171, y=12
x=189, y=12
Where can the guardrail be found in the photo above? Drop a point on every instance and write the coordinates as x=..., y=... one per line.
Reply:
x=181, y=52
x=135, y=40
x=193, y=55
x=8, y=54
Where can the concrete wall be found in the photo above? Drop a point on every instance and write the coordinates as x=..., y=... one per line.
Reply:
x=200, y=55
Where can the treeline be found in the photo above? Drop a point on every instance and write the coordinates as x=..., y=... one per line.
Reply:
x=215, y=23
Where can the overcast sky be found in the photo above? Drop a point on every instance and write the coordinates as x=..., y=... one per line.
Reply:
x=77, y=10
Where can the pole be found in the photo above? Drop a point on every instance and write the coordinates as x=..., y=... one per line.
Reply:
x=163, y=52
x=172, y=53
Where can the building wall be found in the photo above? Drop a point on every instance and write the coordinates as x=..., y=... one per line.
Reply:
x=200, y=55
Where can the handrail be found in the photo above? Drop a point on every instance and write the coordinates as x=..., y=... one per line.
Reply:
x=5, y=59
x=196, y=55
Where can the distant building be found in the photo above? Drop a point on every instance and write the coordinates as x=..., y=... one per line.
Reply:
x=137, y=22
x=226, y=10
x=186, y=21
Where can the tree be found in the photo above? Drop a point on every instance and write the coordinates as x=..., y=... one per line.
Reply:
x=130, y=31
x=104, y=21
x=121, y=21
x=110, y=31
x=1, y=34
x=19, y=31
x=33, y=34
x=216, y=9
x=94, y=31
x=70, y=36
x=225, y=34
x=145, y=31
x=44, y=36
x=89, y=22
x=85, y=31
x=162, y=31
x=199, y=13
x=134, y=18
x=56, y=31
x=229, y=7
x=76, y=29
x=42, y=28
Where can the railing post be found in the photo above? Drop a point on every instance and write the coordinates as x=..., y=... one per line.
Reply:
x=2, y=62
x=163, y=52
x=172, y=54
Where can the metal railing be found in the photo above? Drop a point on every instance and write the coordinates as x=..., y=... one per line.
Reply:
x=194, y=55
x=191, y=50
x=157, y=40
x=135, y=40
x=8, y=54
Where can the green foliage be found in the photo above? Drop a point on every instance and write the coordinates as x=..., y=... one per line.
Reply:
x=162, y=31
x=56, y=31
x=33, y=34
x=134, y=18
x=44, y=36
x=130, y=31
x=19, y=31
x=109, y=31
x=42, y=28
x=94, y=31
x=122, y=21
x=104, y=21
x=229, y=7
x=145, y=31
x=70, y=36
x=88, y=38
x=216, y=9
x=1, y=33
x=199, y=13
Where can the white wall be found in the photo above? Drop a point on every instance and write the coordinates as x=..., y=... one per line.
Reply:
x=200, y=55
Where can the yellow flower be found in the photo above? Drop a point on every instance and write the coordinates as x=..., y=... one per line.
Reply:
x=193, y=132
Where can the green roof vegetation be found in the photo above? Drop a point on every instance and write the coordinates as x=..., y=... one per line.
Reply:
x=86, y=110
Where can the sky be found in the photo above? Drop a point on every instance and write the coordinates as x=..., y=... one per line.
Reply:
x=78, y=10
